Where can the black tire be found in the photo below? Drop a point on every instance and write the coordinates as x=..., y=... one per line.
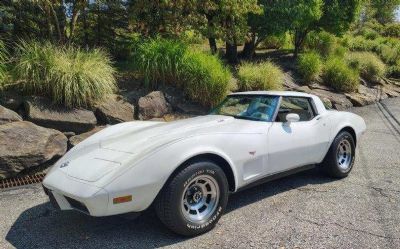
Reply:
x=168, y=204
x=332, y=164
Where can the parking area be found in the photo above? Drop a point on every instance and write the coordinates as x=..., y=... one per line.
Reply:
x=306, y=210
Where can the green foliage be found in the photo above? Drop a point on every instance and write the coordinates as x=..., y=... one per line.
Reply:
x=67, y=75
x=3, y=64
x=392, y=30
x=394, y=71
x=369, y=33
x=282, y=41
x=262, y=76
x=309, y=65
x=339, y=76
x=204, y=78
x=323, y=42
x=369, y=65
x=159, y=61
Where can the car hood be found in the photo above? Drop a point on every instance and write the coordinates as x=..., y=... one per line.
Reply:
x=119, y=146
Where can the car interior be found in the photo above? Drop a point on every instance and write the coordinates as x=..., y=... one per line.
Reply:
x=298, y=105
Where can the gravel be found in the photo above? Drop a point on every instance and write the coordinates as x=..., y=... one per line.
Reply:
x=306, y=210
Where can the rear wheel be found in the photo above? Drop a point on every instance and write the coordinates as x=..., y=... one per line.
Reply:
x=340, y=158
x=192, y=202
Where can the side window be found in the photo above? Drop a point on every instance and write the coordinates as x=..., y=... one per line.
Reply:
x=299, y=105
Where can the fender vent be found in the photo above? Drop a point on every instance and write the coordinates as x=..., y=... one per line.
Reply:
x=21, y=181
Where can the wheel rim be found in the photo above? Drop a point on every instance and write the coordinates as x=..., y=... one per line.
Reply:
x=200, y=198
x=344, y=155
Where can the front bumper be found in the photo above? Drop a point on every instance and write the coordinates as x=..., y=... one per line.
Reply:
x=67, y=193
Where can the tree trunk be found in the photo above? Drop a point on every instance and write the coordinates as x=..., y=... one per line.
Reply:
x=56, y=21
x=250, y=46
x=299, y=38
x=213, y=45
x=231, y=53
x=74, y=18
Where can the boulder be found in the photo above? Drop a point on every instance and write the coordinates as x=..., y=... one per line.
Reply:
x=114, y=110
x=42, y=112
x=338, y=100
x=153, y=105
x=358, y=99
x=74, y=140
x=25, y=145
x=11, y=100
x=7, y=116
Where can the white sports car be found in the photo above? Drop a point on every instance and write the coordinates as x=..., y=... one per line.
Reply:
x=187, y=168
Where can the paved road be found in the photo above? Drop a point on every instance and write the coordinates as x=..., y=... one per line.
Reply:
x=306, y=210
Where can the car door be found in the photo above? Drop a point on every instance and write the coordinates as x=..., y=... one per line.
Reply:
x=295, y=144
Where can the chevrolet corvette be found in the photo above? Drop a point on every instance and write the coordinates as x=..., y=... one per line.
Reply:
x=186, y=169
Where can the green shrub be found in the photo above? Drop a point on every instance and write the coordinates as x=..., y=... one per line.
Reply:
x=309, y=66
x=389, y=54
x=159, y=61
x=3, y=64
x=68, y=76
x=339, y=76
x=392, y=30
x=262, y=76
x=323, y=42
x=369, y=33
x=394, y=71
x=204, y=78
x=283, y=41
x=369, y=65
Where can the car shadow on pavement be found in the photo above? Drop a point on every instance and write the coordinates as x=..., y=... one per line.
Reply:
x=43, y=227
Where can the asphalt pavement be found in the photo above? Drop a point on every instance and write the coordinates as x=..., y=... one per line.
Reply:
x=306, y=210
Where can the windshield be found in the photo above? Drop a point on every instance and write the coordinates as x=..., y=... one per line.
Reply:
x=252, y=107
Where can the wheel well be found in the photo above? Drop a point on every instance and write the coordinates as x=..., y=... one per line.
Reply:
x=351, y=131
x=220, y=161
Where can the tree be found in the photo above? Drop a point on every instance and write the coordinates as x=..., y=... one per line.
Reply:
x=384, y=10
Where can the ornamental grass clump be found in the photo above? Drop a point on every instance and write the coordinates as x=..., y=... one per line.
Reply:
x=309, y=66
x=159, y=61
x=260, y=76
x=69, y=76
x=204, y=78
x=3, y=64
x=338, y=75
x=368, y=64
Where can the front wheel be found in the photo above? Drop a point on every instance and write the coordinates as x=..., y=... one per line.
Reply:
x=339, y=160
x=192, y=201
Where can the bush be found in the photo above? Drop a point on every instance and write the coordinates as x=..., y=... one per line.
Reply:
x=204, y=78
x=392, y=30
x=369, y=33
x=369, y=65
x=263, y=76
x=3, y=64
x=68, y=76
x=283, y=41
x=323, y=42
x=389, y=54
x=159, y=61
x=339, y=76
x=309, y=66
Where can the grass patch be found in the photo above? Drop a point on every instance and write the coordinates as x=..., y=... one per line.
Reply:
x=69, y=76
x=159, y=61
x=369, y=65
x=3, y=64
x=339, y=76
x=204, y=78
x=262, y=76
x=309, y=66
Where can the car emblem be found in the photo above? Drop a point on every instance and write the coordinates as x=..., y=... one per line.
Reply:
x=252, y=153
x=65, y=164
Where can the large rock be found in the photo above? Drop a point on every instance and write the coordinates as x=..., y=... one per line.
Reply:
x=7, y=116
x=41, y=112
x=153, y=105
x=114, y=110
x=25, y=145
x=74, y=140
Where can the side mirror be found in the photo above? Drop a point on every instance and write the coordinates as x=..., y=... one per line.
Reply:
x=292, y=117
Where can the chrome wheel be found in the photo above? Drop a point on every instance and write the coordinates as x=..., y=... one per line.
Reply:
x=344, y=155
x=200, y=198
